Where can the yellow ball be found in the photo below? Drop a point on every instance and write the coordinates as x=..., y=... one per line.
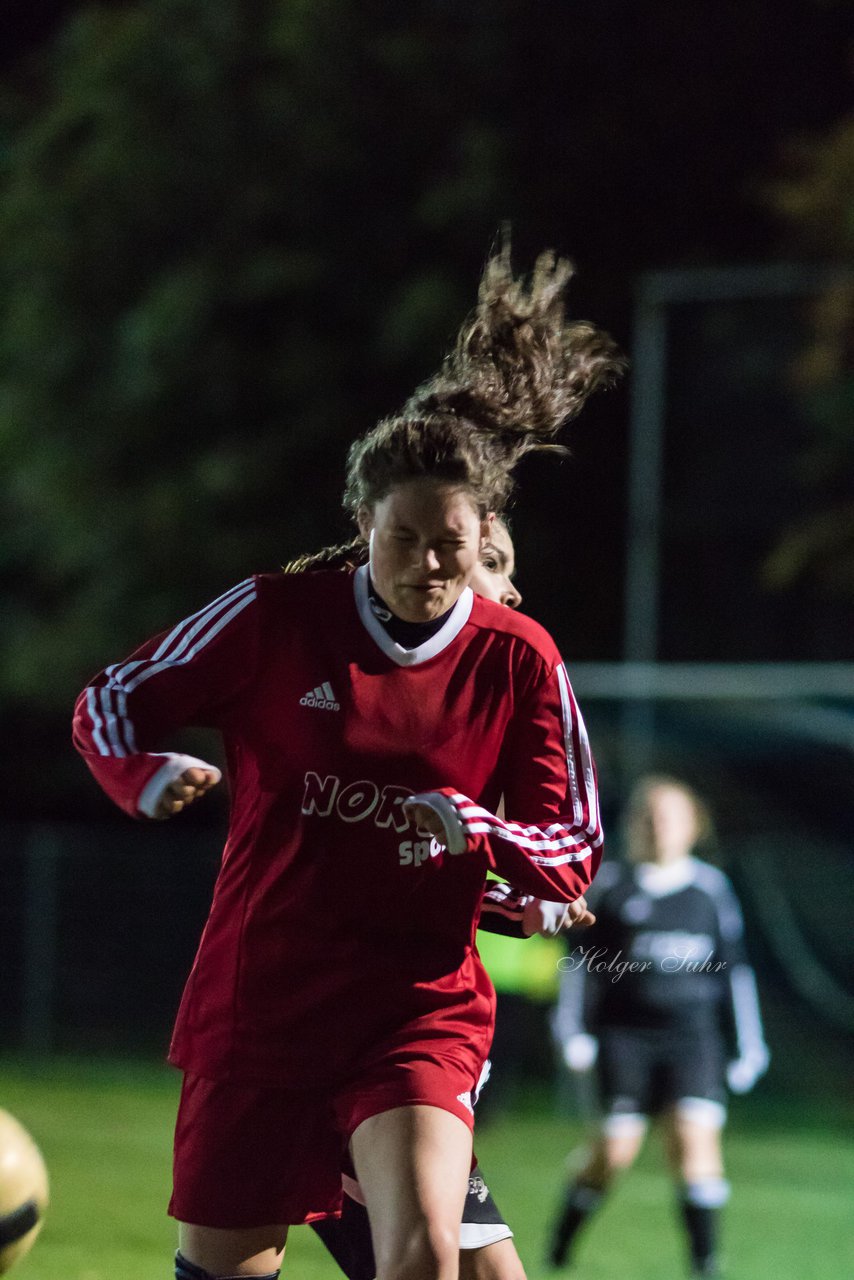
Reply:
x=23, y=1191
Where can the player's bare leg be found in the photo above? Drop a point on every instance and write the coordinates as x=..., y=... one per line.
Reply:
x=613, y=1151
x=251, y=1251
x=693, y=1142
x=610, y=1155
x=413, y=1165
x=694, y=1148
x=498, y=1261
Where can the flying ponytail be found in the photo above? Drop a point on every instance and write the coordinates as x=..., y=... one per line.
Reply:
x=518, y=372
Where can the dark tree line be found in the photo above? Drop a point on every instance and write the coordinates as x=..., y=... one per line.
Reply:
x=232, y=235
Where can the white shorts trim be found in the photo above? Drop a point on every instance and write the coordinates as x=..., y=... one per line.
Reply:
x=485, y=1073
x=476, y=1235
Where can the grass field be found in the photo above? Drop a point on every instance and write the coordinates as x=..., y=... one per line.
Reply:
x=105, y=1130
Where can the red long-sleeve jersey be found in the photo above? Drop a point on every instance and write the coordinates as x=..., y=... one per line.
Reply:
x=336, y=927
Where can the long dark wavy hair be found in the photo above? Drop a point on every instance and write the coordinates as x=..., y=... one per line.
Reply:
x=516, y=375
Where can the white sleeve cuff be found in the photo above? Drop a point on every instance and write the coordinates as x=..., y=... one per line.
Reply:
x=173, y=766
x=451, y=821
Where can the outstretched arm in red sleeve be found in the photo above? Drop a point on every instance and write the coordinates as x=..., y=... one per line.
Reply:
x=554, y=848
x=183, y=677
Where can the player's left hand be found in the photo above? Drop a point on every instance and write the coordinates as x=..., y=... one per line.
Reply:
x=435, y=815
x=742, y=1074
x=427, y=819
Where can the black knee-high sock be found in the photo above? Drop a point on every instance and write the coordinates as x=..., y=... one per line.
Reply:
x=700, y=1203
x=185, y=1270
x=701, y=1225
x=579, y=1203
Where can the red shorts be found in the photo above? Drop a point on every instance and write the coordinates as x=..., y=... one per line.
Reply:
x=250, y=1156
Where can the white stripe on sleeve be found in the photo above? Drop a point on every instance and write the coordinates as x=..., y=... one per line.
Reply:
x=111, y=724
x=549, y=846
x=97, y=722
x=572, y=716
x=204, y=639
x=172, y=645
x=107, y=706
x=197, y=620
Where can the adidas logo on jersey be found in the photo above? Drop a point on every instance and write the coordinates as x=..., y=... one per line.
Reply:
x=321, y=697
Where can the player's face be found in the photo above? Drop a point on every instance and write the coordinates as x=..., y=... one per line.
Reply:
x=671, y=824
x=425, y=540
x=493, y=575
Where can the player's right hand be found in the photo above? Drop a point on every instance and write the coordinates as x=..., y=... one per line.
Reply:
x=579, y=915
x=548, y=919
x=191, y=785
x=581, y=1051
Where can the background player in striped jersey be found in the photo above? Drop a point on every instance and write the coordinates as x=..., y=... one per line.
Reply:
x=315, y=1025
x=659, y=997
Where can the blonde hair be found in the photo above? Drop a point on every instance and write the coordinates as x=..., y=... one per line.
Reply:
x=638, y=801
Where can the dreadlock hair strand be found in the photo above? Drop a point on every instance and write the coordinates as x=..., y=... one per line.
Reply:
x=347, y=556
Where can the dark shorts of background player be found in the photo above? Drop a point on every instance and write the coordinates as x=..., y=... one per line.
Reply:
x=249, y=1156
x=643, y=1071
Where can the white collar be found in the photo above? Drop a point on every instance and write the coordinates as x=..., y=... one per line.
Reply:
x=450, y=629
x=659, y=881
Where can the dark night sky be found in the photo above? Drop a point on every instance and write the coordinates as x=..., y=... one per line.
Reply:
x=26, y=26
x=670, y=113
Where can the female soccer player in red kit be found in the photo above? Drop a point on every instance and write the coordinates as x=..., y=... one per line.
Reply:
x=487, y=1251
x=337, y=1006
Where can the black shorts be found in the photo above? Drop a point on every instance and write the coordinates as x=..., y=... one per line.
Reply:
x=483, y=1223
x=644, y=1071
x=348, y=1238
